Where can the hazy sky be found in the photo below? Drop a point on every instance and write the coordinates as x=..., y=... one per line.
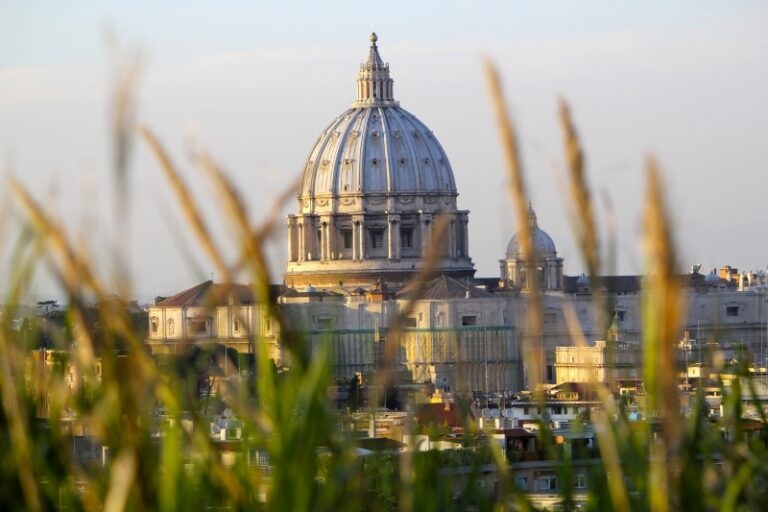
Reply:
x=255, y=83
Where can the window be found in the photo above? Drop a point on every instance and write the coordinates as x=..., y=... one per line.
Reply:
x=198, y=326
x=468, y=320
x=410, y=322
x=377, y=238
x=550, y=373
x=154, y=324
x=323, y=323
x=546, y=483
x=620, y=315
x=346, y=236
x=236, y=326
x=580, y=482
x=550, y=317
x=732, y=311
x=406, y=238
x=522, y=483
x=171, y=327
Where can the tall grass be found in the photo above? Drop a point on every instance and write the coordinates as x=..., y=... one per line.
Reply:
x=174, y=464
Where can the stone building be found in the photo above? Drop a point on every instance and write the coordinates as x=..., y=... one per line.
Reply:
x=374, y=185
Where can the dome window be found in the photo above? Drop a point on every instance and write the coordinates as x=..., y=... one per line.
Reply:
x=375, y=161
x=374, y=134
x=426, y=161
x=377, y=238
x=406, y=238
x=346, y=238
x=402, y=161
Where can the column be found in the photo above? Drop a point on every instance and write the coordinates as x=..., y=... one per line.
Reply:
x=426, y=232
x=361, y=237
x=357, y=237
x=303, y=240
x=452, y=239
x=291, y=239
x=320, y=240
x=393, y=238
x=326, y=240
x=310, y=233
x=465, y=238
x=332, y=245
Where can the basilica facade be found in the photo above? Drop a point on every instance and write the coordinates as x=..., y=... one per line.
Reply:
x=373, y=188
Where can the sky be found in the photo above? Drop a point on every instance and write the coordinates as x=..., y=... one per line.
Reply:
x=255, y=82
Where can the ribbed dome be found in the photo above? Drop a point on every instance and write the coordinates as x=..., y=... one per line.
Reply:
x=378, y=150
x=542, y=242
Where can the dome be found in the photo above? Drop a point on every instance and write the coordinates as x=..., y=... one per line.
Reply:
x=379, y=150
x=542, y=242
x=376, y=149
x=712, y=278
x=372, y=187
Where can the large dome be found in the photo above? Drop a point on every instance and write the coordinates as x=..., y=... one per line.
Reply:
x=377, y=150
x=373, y=184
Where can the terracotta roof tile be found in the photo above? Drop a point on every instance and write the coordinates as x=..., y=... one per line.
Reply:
x=204, y=294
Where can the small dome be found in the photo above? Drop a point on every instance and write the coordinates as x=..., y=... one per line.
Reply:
x=712, y=278
x=542, y=242
x=583, y=280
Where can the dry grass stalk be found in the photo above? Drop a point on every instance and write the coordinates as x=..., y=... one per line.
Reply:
x=251, y=241
x=384, y=376
x=582, y=216
x=188, y=204
x=126, y=75
x=73, y=270
x=607, y=441
x=533, y=348
x=662, y=312
x=18, y=427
